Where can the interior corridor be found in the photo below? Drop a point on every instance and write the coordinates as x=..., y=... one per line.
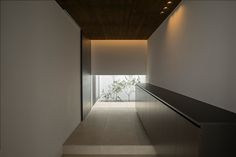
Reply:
x=111, y=129
x=117, y=78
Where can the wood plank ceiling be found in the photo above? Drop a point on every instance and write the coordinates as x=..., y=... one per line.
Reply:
x=118, y=19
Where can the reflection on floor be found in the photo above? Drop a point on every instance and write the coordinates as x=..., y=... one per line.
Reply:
x=111, y=129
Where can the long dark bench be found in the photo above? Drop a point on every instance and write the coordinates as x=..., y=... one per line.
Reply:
x=179, y=126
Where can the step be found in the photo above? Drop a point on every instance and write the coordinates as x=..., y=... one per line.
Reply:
x=109, y=149
x=95, y=155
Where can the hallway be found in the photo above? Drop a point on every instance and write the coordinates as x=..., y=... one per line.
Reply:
x=117, y=78
x=111, y=129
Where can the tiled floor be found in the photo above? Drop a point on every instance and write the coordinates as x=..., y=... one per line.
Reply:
x=110, y=128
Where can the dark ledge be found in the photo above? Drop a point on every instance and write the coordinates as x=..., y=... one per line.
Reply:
x=196, y=111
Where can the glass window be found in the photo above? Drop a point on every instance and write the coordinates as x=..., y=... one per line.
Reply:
x=117, y=87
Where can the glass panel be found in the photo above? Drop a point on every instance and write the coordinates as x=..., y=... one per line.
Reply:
x=117, y=87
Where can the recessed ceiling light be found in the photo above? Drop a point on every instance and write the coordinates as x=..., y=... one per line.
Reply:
x=162, y=12
x=165, y=8
x=169, y=2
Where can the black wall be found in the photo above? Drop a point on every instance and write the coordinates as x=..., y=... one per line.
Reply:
x=86, y=76
x=169, y=132
x=180, y=126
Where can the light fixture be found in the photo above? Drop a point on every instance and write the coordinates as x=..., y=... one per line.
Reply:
x=162, y=12
x=169, y=2
x=165, y=8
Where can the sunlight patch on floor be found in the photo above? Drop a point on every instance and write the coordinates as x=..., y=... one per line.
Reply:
x=107, y=105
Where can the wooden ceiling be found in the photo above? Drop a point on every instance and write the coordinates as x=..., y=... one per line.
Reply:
x=118, y=19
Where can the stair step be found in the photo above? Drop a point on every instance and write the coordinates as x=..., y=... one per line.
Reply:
x=109, y=150
x=95, y=155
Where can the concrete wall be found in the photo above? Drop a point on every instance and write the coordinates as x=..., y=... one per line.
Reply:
x=40, y=72
x=119, y=57
x=194, y=50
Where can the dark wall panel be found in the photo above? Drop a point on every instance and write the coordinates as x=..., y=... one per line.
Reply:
x=86, y=75
x=169, y=132
x=179, y=126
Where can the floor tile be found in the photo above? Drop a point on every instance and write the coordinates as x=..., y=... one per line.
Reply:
x=110, y=123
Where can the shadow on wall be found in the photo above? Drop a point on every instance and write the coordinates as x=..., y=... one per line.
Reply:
x=192, y=52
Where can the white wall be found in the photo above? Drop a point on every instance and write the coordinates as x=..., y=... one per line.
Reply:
x=194, y=51
x=40, y=69
x=119, y=57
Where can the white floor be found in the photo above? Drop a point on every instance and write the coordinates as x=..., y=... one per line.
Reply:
x=112, y=128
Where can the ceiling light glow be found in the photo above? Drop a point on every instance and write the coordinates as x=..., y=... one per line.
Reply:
x=169, y=2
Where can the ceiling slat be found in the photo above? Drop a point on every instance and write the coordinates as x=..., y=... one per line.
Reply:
x=118, y=19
